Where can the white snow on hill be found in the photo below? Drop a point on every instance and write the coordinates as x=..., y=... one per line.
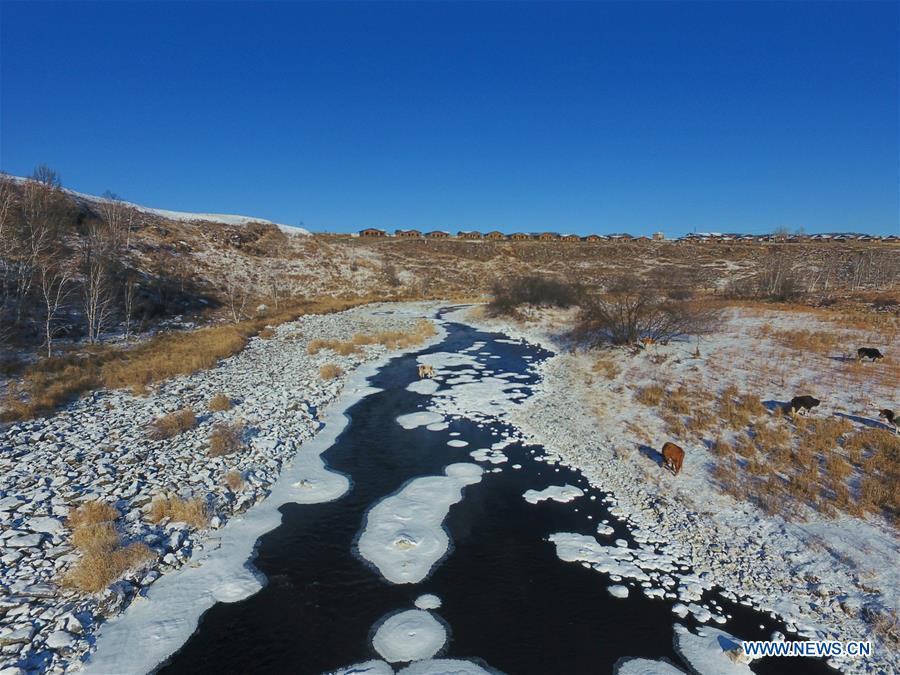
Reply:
x=184, y=216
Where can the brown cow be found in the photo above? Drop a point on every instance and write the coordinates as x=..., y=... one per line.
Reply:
x=673, y=457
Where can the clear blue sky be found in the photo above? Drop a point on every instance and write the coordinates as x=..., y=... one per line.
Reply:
x=574, y=117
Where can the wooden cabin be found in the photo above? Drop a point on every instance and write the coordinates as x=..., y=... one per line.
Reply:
x=372, y=232
x=519, y=236
x=495, y=235
x=407, y=234
x=469, y=234
x=570, y=237
x=547, y=236
x=437, y=234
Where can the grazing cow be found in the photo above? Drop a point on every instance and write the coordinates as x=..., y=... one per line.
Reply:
x=868, y=353
x=425, y=371
x=673, y=457
x=801, y=403
x=888, y=416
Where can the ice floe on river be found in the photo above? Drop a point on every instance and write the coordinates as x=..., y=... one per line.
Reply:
x=403, y=536
x=558, y=493
x=419, y=419
x=411, y=635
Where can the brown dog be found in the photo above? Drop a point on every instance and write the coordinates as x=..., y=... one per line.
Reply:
x=673, y=457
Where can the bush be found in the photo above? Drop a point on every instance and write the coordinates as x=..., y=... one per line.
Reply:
x=193, y=512
x=330, y=371
x=234, y=480
x=219, y=403
x=173, y=424
x=628, y=312
x=532, y=289
x=225, y=439
x=103, y=558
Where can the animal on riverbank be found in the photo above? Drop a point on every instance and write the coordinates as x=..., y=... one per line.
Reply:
x=888, y=416
x=868, y=353
x=800, y=404
x=425, y=371
x=673, y=457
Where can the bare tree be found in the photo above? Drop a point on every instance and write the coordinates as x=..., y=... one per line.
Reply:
x=236, y=296
x=129, y=292
x=629, y=311
x=46, y=176
x=98, y=258
x=54, y=278
x=119, y=216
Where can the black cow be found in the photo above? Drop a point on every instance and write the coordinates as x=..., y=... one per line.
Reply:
x=868, y=353
x=800, y=403
x=888, y=416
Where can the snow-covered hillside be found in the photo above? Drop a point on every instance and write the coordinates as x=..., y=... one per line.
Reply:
x=224, y=218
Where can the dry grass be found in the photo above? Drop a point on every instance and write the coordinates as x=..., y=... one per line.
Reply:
x=97, y=569
x=234, y=480
x=606, y=367
x=193, y=512
x=651, y=395
x=173, y=424
x=219, y=403
x=267, y=333
x=103, y=559
x=330, y=371
x=225, y=439
x=53, y=382
x=95, y=536
x=90, y=513
x=809, y=341
x=390, y=339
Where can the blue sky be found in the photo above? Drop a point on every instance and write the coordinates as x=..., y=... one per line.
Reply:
x=521, y=116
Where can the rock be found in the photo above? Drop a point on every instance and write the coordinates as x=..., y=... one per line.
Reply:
x=23, y=540
x=43, y=524
x=59, y=639
x=16, y=636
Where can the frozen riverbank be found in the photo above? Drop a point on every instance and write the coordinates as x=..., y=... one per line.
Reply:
x=99, y=448
x=823, y=577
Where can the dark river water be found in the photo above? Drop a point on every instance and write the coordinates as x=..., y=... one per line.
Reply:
x=509, y=603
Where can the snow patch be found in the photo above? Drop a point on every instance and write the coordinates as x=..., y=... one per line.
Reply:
x=558, y=493
x=409, y=636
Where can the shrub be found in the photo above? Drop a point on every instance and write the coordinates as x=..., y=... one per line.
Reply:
x=225, y=439
x=173, y=424
x=532, y=289
x=193, y=512
x=628, y=312
x=219, y=403
x=330, y=371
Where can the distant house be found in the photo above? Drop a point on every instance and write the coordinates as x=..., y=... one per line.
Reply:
x=495, y=235
x=547, y=236
x=592, y=237
x=659, y=236
x=519, y=236
x=643, y=240
x=372, y=232
x=407, y=234
x=437, y=234
x=570, y=237
x=470, y=234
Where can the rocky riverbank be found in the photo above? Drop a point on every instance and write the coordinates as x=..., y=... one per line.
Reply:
x=101, y=448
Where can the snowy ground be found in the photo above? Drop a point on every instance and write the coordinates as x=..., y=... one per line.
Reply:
x=821, y=575
x=99, y=448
